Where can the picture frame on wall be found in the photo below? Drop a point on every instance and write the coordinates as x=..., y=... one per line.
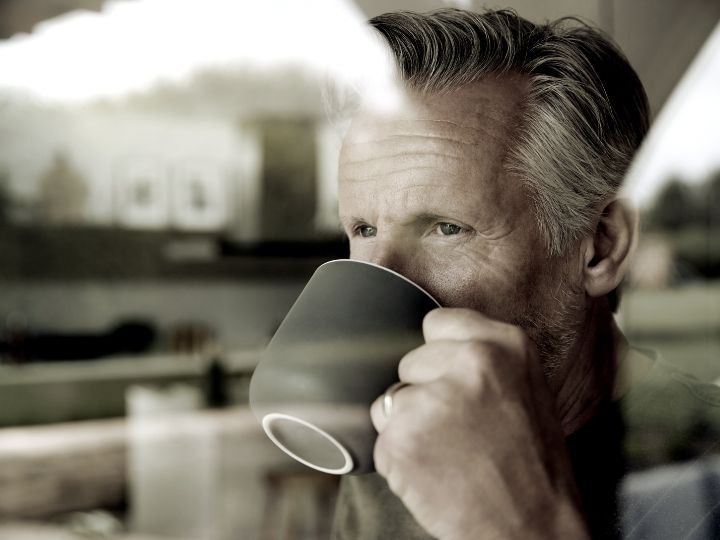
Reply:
x=142, y=193
x=199, y=196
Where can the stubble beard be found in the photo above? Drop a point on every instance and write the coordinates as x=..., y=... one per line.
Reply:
x=553, y=323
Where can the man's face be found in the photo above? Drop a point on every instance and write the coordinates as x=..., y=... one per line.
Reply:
x=423, y=192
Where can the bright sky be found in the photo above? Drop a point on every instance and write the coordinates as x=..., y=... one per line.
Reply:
x=132, y=44
x=685, y=138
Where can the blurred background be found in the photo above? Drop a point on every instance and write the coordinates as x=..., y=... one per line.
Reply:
x=167, y=186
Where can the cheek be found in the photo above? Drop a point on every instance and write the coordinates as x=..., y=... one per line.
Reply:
x=463, y=286
x=359, y=250
x=502, y=295
x=455, y=287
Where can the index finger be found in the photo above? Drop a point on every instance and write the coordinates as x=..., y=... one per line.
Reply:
x=462, y=324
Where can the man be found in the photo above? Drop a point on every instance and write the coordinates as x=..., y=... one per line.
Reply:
x=494, y=187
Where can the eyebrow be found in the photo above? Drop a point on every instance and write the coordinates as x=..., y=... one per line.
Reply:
x=428, y=217
x=423, y=218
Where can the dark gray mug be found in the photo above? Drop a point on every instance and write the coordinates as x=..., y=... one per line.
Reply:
x=337, y=350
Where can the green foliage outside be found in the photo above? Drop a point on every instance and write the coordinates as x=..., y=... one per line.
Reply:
x=689, y=217
x=5, y=197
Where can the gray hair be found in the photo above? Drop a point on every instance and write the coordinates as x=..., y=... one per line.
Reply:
x=582, y=119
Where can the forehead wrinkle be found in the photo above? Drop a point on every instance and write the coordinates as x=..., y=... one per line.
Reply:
x=406, y=145
x=465, y=201
x=392, y=163
x=399, y=155
x=455, y=132
x=383, y=159
x=400, y=137
x=368, y=152
x=399, y=172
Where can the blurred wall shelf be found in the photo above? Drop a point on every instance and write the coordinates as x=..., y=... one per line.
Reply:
x=43, y=393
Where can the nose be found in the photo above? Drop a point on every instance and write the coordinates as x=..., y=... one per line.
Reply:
x=390, y=254
x=399, y=255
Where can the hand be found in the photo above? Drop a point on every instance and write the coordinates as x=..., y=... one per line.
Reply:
x=473, y=447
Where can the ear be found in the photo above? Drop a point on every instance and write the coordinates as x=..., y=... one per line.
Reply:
x=608, y=250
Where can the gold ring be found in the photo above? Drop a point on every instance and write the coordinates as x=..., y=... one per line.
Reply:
x=388, y=397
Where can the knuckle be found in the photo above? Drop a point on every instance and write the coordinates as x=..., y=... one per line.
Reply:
x=385, y=443
x=441, y=399
x=518, y=337
x=474, y=316
x=466, y=317
x=431, y=318
x=514, y=333
x=392, y=448
x=396, y=442
x=477, y=360
x=476, y=354
x=406, y=367
x=520, y=344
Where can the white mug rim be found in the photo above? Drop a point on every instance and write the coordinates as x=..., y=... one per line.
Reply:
x=269, y=418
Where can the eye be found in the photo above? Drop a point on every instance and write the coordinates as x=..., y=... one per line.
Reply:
x=448, y=229
x=366, y=231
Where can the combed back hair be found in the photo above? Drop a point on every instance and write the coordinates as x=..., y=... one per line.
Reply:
x=582, y=118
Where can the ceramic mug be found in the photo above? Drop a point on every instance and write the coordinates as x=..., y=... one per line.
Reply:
x=336, y=351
